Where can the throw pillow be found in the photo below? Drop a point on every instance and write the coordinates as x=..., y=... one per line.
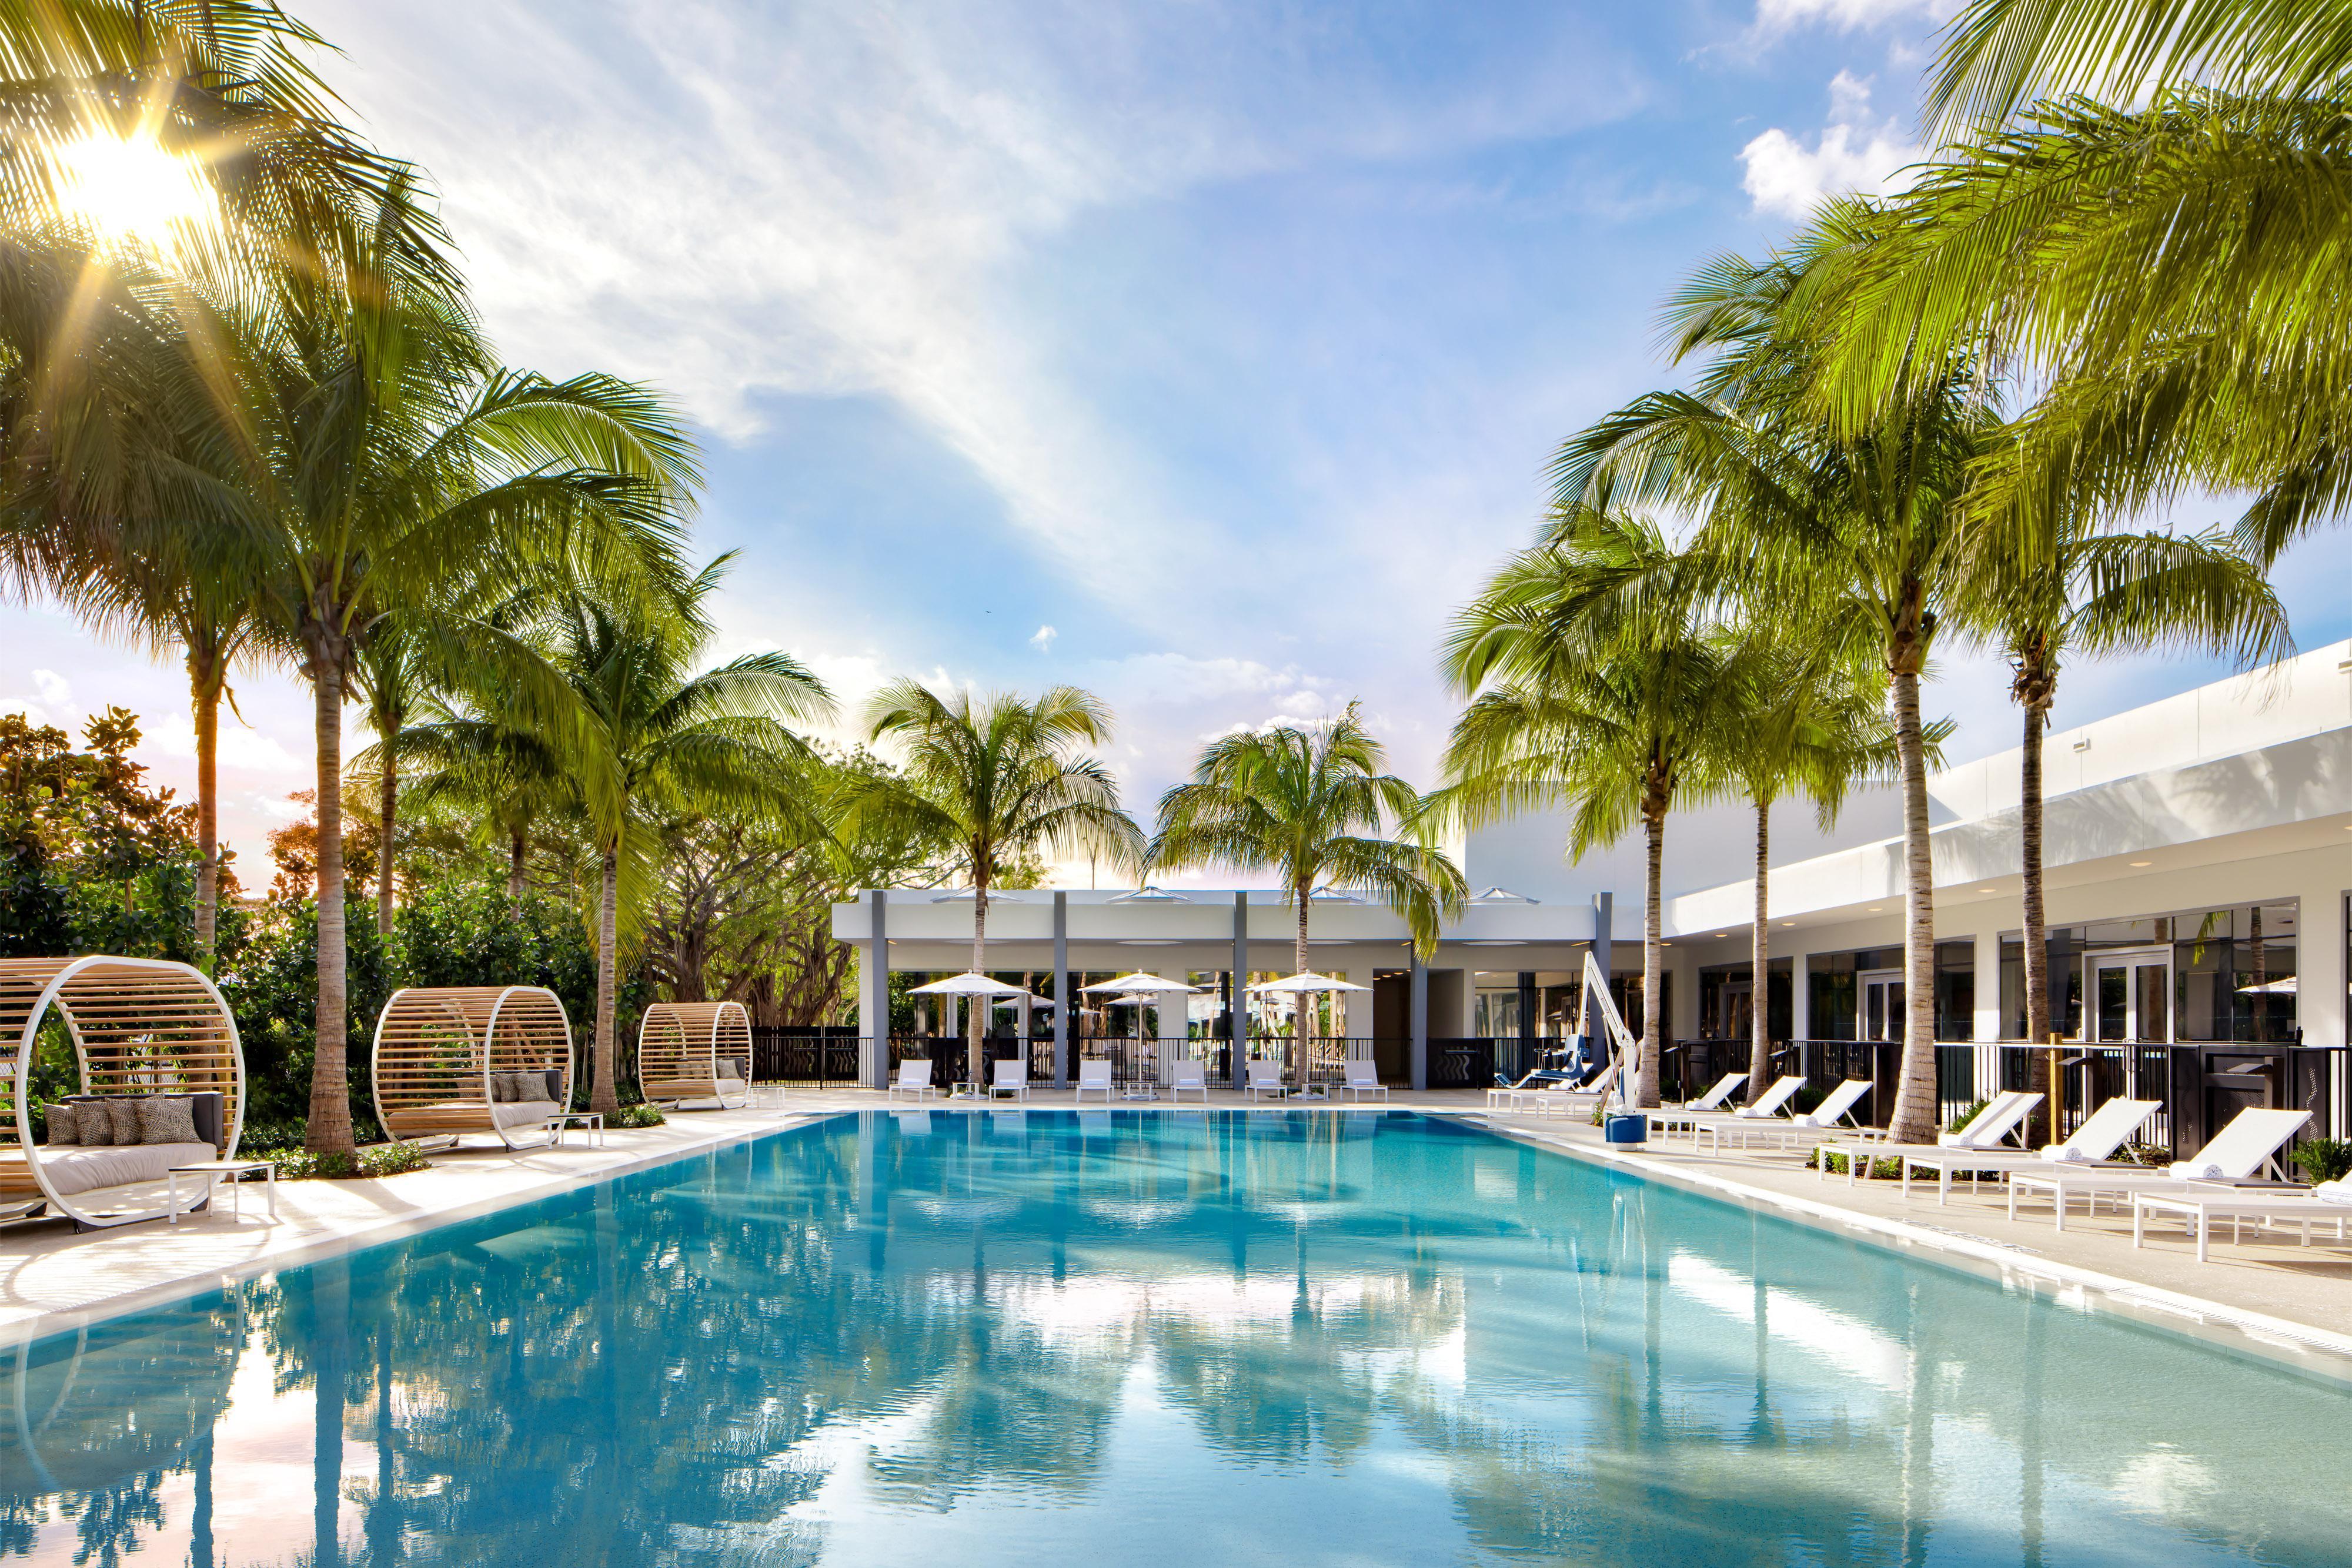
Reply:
x=62, y=1132
x=530, y=1086
x=91, y=1123
x=122, y=1112
x=501, y=1088
x=168, y=1119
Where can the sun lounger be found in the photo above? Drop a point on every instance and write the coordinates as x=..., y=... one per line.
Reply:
x=1713, y=1100
x=1767, y=1118
x=1687, y=1118
x=1990, y=1127
x=1010, y=1075
x=2200, y=1204
x=1577, y=1101
x=1364, y=1077
x=914, y=1078
x=2247, y=1145
x=2103, y=1131
x=1095, y=1076
x=1264, y=1078
x=1186, y=1074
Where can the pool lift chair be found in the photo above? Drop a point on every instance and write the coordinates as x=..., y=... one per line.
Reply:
x=455, y=1060
x=142, y=1029
x=695, y=1051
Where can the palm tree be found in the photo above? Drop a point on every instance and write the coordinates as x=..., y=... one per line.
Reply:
x=644, y=738
x=1309, y=803
x=992, y=780
x=394, y=680
x=503, y=776
x=1867, y=524
x=1597, y=683
x=1811, y=716
x=2102, y=591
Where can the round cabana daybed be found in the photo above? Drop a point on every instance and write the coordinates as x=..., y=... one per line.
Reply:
x=696, y=1050
x=454, y=1059
x=162, y=1084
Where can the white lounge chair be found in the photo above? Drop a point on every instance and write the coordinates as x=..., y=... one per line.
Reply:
x=1770, y=1106
x=1577, y=1101
x=1264, y=1078
x=1989, y=1128
x=2239, y=1152
x=1184, y=1073
x=1685, y=1118
x=1714, y=1098
x=1364, y=1077
x=1010, y=1075
x=2103, y=1131
x=1836, y=1106
x=914, y=1078
x=2199, y=1205
x=1095, y=1074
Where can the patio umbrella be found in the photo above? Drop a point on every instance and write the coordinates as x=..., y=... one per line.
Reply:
x=1305, y=983
x=1143, y=991
x=969, y=984
x=2285, y=987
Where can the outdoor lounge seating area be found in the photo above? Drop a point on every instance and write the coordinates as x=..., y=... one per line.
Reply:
x=689, y=1051
x=450, y=1062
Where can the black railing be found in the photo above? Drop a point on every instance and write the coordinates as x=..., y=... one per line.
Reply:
x=803, y=1056
x=2198, y=1088
x=1826, y=1063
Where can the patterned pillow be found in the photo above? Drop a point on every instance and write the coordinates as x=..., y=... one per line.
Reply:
x=93, y=1124
x=122, y=1112
x=527, y=1086
x=62, y=1131
x=168, y=1119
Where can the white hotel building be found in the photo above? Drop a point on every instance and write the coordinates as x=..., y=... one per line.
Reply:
x=2199, y=854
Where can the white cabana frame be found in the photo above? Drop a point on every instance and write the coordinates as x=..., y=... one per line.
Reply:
x=684, y=1049
x=438, y=1048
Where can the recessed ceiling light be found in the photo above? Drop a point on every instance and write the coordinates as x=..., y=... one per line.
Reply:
x=1788, y=923
x=1878, y=909
x=1984, y=890
x=2143, y=862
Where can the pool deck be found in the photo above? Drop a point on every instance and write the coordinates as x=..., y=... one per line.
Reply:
x=2269, y=1297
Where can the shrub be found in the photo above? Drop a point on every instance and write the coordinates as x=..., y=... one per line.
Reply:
x=298, y=1164
x=636, y=1116
x=2144, y=1154
x=1967, y=1113
x=1880, y=1170
x=2324, y=1159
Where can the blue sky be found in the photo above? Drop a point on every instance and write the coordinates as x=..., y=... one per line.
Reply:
x=1202, y=354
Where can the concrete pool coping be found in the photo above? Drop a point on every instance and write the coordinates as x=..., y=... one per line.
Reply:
x=55, y=1282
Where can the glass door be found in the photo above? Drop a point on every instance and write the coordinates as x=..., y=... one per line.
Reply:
x=1882, y=1004
x=2131, y=997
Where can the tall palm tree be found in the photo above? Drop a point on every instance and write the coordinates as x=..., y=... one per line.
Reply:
x=1309, y=802
x=2097, y=592
x=1598, y=684
x=506, y=777
x=391, y=670
x=992, y=780
x=1810, y=716
x=1867, y=524
x=643, y=738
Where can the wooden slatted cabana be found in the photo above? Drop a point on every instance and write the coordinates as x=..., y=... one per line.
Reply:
x=140, y=1028
x=696, y=1050
x=454, y=1059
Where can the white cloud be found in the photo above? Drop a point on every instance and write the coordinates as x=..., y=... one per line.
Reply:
x=51, y=700
x=240, y=746
x=1854, y=152
x=1042, y=639
x=1777, y=17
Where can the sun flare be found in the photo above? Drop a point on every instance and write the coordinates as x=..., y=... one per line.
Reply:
x=131, y=188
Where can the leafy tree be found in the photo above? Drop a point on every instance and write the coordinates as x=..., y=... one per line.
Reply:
x=1598, y=684
x=991, y=780
x=1309, y=804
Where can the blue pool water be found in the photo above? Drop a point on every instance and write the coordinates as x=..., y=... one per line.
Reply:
x=1148, y=1339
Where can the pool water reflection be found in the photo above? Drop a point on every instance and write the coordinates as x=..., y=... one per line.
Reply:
x=1027, y=1337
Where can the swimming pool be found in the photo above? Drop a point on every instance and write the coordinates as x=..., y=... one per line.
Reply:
x=1151, y=1339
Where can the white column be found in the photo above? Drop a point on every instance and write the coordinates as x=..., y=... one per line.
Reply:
x=1172, y=1011
x=1986, y=1070
x=1801, y=996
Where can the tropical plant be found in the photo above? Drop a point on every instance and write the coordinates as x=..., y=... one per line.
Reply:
x=1312, y=804
x=1597, y=683
x=2096, y=592
x=645, y=739
x=1810, y=715
x=1863, y=523
x=991, y=780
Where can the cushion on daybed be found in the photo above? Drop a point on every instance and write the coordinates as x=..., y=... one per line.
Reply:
x=166, y=1119
x=71, y=1170
x=63, y=1132
x=729, y=1067
x=521, y=1113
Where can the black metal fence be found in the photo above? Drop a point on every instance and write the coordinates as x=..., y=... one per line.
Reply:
x=2197, y=1088
x=1826, y=1063
x=804, y=1055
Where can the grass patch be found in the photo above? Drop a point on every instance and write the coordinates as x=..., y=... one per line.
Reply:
x=376, y=1160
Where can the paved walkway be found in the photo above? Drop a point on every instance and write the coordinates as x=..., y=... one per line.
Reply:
x=2271, y=1295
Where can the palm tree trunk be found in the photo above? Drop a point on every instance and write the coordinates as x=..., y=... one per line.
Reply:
x=388, y=814
x=1915, y=1092
x=1653, y=932
x=1300, y=1003
x=514, y=871
x=976, y=1007
x=2033, y=686
x=329, y=1129
x=602, y=1097
x=205, y=689
x=1760, y=1032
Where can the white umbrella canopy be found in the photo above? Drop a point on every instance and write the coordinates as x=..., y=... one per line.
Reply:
x=2285, y=987
x=1307, y=984
x=1141, y=982
x=970, y=985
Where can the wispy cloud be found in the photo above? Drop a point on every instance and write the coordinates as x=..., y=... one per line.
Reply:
x=1043, y=638
x=1856, y=150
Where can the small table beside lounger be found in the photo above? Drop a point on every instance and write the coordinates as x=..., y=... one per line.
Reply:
x=2263, y=1202
x=215, y=1172
x=590, y=1123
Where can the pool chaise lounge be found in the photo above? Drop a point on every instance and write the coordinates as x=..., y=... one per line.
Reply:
x=1774, y=1102
x=1744, y=1127
x=1581, y=1097
x=2247, y=1145
x=161, y=1076
x=452, y=1060
x=1989, y=1128
x=689, y=1051
x=2091, y=1146
x=1685, y=1116
x=914, y=1078
x=2199, y=1205
x=1094, y=1078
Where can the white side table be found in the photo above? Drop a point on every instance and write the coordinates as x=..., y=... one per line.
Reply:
x=589, y=1122
x=215, y=1172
